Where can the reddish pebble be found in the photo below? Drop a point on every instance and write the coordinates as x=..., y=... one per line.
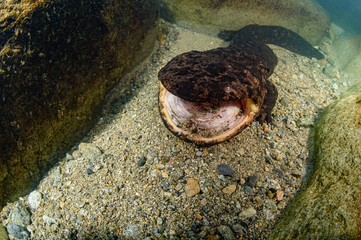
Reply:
x=279, y=195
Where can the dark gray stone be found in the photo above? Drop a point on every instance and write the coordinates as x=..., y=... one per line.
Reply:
x=252, y=180
x=142, y=161
x=225, y=170
x=248, y=190
x=279, y=172
x=89, y=171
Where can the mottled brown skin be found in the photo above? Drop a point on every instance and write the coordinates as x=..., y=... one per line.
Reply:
x=221, y=74
x=239, y=71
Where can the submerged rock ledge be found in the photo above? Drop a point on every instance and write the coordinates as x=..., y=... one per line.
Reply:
x=305, y=17
x=58, y=60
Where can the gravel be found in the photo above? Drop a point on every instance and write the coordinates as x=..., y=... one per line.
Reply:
x=131, y=178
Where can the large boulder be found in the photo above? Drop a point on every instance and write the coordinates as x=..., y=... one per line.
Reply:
x=345, y=53
x=58, y=60
x=328, y=207
x=305, y=17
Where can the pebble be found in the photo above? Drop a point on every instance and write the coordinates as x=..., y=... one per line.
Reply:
x=270, y=194
x=212, y=237
x=226, y=232
x=279, y=172
x=165, y=174
x=48, y=220
x=20, y=215
x=89, y=151
x=165, y=185
x=279, y=194
x=167, y=194
x=305, y=122
x=159, y=221
x=69, y=157
x=89, y=171
x=192, y=187
x=160, y=166
x=225, y=170
x=229, y=189
x=132, y=231
x=249, y=212
x=284, y=101
x=56, y=176
x=141, y=162
x=252, y=180
x=281, y=205
x=171, y=232
x=34, y=199
x=330, y=71
x=178, y=187
x=18, y=231
x=238, y=228
x=248, y=190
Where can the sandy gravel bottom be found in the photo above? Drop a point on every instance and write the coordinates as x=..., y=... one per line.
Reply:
x=132, y=178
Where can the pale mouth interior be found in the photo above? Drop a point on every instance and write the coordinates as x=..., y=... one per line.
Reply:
x=200, y=117
x=205, y=123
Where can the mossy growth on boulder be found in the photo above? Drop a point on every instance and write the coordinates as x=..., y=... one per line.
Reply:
x=328, y=207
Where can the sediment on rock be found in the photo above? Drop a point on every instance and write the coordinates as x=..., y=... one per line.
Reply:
x=58, y=60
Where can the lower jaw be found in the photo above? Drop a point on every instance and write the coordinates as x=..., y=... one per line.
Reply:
x=209, y=126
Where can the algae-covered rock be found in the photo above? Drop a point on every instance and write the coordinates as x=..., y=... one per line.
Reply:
x=345, y=53
x=3, y=233
x=58, y=60
x=305, y=17
x=328, y=207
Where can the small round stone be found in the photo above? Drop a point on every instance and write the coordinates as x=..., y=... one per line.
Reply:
x=34, y=199
x=229, y=189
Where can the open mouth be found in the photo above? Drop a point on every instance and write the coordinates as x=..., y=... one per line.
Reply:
x=205, y=123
